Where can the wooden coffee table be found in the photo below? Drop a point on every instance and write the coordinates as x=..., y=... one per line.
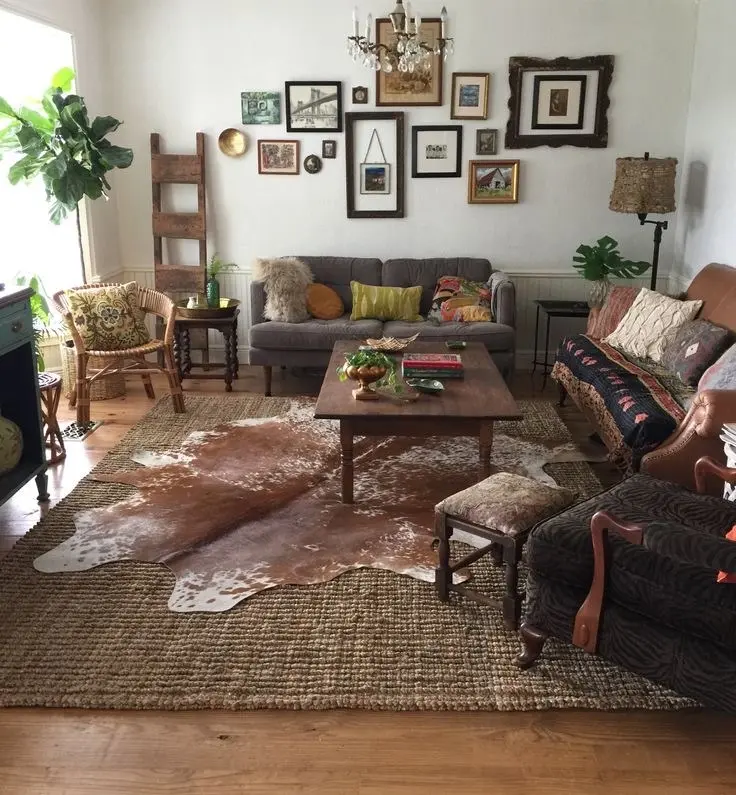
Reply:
x=467, y=407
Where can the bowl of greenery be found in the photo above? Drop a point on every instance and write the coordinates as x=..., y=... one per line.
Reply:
x=368, y=368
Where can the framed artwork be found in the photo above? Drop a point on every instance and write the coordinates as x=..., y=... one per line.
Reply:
x=374, y=164
x=278, y=157
x=329, y=150
x=423, y=86
x=312, y=164
x=360, y=95
x=313, y=106
x=493, y=182
x=436, y=151
x=260, y=107
x=470, y=95
x=486, y=142
x=559, y=102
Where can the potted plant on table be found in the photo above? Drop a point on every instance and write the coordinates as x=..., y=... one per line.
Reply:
x=215, y=266
x=367, y=367
x=596, y=263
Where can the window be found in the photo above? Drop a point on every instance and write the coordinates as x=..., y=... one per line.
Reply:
x=31, y=243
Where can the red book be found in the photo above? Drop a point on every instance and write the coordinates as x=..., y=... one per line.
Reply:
x=433, y=361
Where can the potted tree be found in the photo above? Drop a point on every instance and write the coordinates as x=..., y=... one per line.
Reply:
x=596, y=263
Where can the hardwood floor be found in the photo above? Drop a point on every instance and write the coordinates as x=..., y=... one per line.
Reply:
x=51, y=752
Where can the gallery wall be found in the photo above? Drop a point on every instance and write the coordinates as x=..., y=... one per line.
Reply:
x=706, y=229
x=178, y=66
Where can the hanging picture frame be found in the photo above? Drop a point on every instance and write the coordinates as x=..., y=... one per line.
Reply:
x=313, y=106
x=436, y=150
x=470, y=95
x=493, y=182
x=374, y=171
x=559, y=102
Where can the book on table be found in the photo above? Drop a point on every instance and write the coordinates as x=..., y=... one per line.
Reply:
x=432, y=365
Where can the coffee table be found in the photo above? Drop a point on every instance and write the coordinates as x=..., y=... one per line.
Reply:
x=467, y=407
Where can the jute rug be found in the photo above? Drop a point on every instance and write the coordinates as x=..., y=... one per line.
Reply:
x=370, y=639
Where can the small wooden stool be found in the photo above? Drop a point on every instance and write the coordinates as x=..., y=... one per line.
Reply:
x=501, y=509
x=49, y=386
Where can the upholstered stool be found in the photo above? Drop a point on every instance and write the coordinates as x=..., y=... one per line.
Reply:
x=501, y=509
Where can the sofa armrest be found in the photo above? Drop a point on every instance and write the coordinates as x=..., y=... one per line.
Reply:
x=685, y=545
x=506, y=304
x=697, y=436
x=257, y=302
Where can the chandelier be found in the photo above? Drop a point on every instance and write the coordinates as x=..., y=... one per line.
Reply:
x=408, y=52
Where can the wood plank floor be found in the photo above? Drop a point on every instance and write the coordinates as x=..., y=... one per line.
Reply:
x=50, y=752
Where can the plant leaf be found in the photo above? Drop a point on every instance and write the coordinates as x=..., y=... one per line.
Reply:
x=116, y=156
x=57, y=212
x=37, y=120
x=63, y=79
x=6, y=109
x=104, y=125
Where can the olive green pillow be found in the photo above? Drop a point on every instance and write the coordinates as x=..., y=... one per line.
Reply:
x=371, y=302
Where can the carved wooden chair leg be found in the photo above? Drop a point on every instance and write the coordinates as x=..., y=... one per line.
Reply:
x=267, y=380
x=563, y=394
x=532, y=639
x=148, y=386
x=512, y=600
x=82, y=390
x=443, y=572
x=73, y=398
x=172, y=374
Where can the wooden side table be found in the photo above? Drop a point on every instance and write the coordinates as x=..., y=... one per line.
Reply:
x=553, y=309
x=49, y=386
x=228, y=327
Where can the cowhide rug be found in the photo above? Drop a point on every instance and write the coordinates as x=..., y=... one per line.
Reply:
x=255, y=503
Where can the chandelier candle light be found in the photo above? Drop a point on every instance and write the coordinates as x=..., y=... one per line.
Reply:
x=409, y=51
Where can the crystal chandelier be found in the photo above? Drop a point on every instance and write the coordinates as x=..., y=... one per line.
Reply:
x=408, y=53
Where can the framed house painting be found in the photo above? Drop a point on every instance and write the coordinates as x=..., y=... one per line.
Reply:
x=313, y=106
x=278, y=157
x=436, y=151
x=493, y=182
x=423, y=86
x=470, y=95
x=559, y=102
x=260, y=107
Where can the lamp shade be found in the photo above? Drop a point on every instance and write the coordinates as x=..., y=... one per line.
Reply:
x=644, y=185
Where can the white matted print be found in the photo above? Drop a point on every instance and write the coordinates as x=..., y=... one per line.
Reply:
x=559, y=102
x=470, y=95
x=588, y=103
x=436, y=151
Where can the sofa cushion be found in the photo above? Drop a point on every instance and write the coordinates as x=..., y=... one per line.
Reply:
x=721, y=374
x=427, y=272
x=691, y=349
x=495, y=336
x=338, y=272
x=324, y=303
x=385, y=303
x=454, y=296
x=605, y=320
x=312, y=335
x=683, y=596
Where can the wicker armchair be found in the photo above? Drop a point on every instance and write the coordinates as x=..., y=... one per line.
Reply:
x=129, y=360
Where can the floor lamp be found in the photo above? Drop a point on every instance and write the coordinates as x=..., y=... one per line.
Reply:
x=646, y=185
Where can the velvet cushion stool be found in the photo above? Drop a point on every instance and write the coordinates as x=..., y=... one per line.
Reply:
x=501, y=509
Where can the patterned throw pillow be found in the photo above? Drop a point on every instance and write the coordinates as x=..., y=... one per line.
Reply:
x=691, y=349
x=618, y=302
x=643, y=329
x=385, y=303
x=722, y=374
x=108, y=318
x=453, y=293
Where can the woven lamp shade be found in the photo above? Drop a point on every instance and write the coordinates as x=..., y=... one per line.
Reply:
x=644, y=185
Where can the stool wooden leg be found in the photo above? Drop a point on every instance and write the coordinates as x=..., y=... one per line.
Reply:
x=148, y=386
x=443, y=572
x=267, y=380
x=497, y=555
x=82, y=390
x=511, y=599
x=533, y=640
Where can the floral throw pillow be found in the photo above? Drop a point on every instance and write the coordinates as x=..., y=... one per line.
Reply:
x=691, y=349
x=453, y=297
x=108, y=318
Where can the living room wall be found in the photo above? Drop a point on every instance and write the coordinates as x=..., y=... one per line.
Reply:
x=706, y=229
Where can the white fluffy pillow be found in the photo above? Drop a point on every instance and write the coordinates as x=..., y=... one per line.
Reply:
x=642, y=331
x=285, y=281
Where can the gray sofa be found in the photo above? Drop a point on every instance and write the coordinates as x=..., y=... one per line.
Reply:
x=309, y=344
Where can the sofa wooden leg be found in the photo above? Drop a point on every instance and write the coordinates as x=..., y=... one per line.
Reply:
x=533, y=640
x=563, y=394
x=267, y=380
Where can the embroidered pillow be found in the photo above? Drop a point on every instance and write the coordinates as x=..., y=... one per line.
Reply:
x=453, y=293
x=385, y=303
x=643, y=329
x=108, y=318
x=323, y=302
x=726, y=576
x=722, y=374
x=604, y=321
x=691, y=349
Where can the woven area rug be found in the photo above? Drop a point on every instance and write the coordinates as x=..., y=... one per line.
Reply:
x=370, y=639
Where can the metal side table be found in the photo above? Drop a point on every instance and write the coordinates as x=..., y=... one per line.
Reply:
x=553, y=309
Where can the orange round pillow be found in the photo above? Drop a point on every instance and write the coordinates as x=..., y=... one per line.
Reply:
x=323, y=302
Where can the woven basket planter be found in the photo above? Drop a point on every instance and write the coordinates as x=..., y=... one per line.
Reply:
x=103, y=389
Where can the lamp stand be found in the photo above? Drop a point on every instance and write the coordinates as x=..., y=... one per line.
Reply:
x=659, y=226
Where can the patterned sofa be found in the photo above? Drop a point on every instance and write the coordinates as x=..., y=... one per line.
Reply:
x=645, y=416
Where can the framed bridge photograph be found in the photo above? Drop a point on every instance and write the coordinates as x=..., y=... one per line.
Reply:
x=313, y=106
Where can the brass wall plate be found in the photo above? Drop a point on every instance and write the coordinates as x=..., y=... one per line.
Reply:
x=232, y=142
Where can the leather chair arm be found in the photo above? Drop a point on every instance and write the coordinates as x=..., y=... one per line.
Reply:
x=710, y=410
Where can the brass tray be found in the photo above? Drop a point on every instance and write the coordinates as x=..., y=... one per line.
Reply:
x=202, y=311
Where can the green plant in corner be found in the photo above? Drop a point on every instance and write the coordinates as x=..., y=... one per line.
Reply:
x=214, y=267
x=58, y=144
x=43, y=320
x=598, y=262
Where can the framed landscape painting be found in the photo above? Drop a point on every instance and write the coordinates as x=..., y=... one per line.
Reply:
x=423, y=86
x=260, y=107
x=278, y=157
x=313, y=106
x=493, y=182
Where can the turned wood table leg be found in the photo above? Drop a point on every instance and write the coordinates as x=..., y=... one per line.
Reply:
x=346, y=458
x=229, y=367
x=484, y=450
x=443, y=572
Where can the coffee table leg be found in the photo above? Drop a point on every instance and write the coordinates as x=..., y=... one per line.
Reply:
x=346, y=457
x=484, y=450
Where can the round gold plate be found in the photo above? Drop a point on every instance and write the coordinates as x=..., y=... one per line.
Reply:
x=232, y=142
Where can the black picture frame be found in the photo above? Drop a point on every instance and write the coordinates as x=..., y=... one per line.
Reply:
x=302, y=125
x=415, y=132
x=598, y=139
x=353, y=171
x=329, y=149
x=579, y=122
x=360, y=95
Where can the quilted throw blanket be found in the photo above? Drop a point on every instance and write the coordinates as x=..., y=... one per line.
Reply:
x=633, y=411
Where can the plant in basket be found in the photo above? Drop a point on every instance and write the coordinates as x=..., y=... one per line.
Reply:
x=368, y=367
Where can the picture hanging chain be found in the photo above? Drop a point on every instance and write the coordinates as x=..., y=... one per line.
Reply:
x=376, y=137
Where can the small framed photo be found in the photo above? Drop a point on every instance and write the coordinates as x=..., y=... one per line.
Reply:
x=313, y=106
x=360, y=95
x=260, y=107
x=312, y=164
x=437, y=151
x=493, y=182
x=470, y=95
x=486, y=142
x=375, y=178
x=558, y=102
x=329, y=150
x=278, y=157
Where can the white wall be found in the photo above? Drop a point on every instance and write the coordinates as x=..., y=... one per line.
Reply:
x=178, y=66
x=706, y=228
x=83, y=19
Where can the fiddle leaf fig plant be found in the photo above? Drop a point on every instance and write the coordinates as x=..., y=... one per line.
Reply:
x=604, y=259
